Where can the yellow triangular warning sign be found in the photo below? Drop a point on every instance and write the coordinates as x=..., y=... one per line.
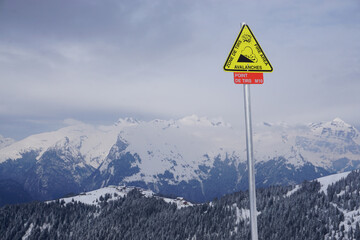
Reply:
x=246, y=54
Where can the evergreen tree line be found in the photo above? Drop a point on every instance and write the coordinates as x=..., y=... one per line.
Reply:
x=306, y=214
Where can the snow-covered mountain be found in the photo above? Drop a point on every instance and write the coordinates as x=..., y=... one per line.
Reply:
x=4, y=142
x=193, y=157
x=91, y=142
x=320, y=144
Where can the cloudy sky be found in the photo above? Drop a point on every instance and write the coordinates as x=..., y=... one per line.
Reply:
x=96, y=61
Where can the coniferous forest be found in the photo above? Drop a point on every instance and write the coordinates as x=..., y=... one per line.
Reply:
x=307, y=213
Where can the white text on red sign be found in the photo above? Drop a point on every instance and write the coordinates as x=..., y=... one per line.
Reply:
x=248, y=78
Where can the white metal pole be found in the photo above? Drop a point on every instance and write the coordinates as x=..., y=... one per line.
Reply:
x=249, y=151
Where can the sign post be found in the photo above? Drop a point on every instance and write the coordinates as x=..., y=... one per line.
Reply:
x=250, y=160
x=248, y=62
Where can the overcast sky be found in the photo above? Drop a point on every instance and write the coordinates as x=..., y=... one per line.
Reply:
x=96, y=61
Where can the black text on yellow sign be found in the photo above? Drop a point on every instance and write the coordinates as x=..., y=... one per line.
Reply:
x=247, y=55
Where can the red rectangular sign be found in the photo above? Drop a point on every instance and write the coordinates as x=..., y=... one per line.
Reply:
x=248, y=78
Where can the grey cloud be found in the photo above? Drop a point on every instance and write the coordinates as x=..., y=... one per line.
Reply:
x=84, y=59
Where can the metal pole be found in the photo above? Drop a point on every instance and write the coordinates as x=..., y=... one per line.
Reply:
x=249, y=150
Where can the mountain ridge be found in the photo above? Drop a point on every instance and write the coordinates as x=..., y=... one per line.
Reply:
x=194, y=157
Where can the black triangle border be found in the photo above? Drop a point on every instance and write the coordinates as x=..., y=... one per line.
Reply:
x=236, y=70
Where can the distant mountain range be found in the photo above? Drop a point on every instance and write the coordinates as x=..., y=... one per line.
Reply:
x=193, y=157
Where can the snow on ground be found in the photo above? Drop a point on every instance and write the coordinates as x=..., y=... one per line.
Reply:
x=328, y=180
x=180, y=202
x=93, y=197
x=350, y=217
x=350, y=220
x=291, y=192
x=241, y=213
x=325, y=182
x=116, y=192
x=28, y=232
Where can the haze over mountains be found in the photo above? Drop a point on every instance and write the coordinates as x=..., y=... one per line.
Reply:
x=193, y=157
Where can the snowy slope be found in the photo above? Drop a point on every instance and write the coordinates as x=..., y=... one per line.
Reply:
x=351, y=216
x=177, y=146
x=116, y=192
x=4, y=142
x=325, y=182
